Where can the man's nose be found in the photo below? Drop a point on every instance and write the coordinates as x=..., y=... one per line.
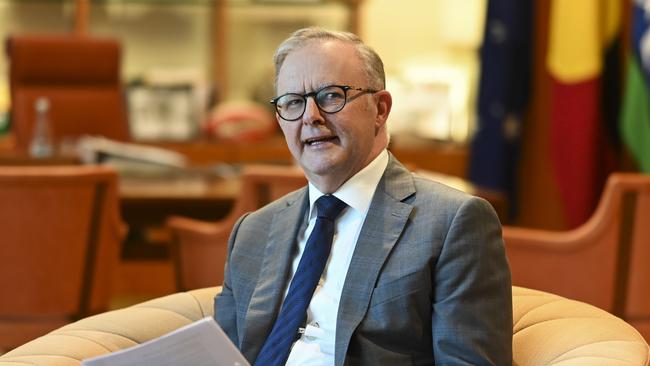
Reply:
x=312, y=113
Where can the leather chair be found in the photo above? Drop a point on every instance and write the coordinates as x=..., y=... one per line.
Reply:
x=547, y=330
x=603, y=262
x=637, y=248
x=199, y=247
x=81, y=78
x=60, y=239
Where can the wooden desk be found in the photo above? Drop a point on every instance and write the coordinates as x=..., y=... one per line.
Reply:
x=12, y=158
x=273, y=151
x=147, y=202
x=444, y=158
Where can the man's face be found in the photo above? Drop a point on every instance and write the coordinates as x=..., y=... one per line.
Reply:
x=331, y=148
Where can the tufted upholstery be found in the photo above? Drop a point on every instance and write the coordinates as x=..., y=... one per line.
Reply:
x=548, y=330
x=552, y=330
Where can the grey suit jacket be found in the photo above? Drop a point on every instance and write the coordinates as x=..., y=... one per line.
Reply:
x=428, y=281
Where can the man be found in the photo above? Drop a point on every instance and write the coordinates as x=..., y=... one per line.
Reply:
x=416, y=273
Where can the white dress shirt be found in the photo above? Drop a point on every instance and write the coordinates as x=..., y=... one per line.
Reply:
x=316, y=345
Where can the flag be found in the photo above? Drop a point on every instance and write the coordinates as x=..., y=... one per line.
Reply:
x=635, y=117
x=503, y=95
x=580, y=34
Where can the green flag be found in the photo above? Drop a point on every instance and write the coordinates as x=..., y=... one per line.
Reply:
x=635, y=126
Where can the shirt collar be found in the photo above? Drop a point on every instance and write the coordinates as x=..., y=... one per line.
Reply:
x=357, y=192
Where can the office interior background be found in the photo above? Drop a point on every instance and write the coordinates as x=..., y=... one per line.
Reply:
x=222, y=51
x=530, y=104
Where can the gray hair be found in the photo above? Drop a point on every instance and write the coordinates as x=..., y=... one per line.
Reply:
x=372, y=64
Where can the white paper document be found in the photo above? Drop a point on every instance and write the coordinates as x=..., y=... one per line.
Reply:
x=202, y=343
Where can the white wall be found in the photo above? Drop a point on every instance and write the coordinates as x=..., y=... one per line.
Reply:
x=428, y=46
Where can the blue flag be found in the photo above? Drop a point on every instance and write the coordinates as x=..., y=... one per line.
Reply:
x=641, y=35
x=504, y=85
x=635, y=117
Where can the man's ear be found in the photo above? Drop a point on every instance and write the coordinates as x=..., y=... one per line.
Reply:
x=384, y=104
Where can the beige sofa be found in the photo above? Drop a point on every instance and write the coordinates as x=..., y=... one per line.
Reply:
x=548, y=330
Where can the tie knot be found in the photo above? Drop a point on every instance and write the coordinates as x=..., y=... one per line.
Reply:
x=329, y=207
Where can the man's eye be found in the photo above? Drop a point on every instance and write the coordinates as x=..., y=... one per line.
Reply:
x=294, y=102
x=290, y=103
x=332, y=96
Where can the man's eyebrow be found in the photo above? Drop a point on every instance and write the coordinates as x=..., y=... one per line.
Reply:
x=323, y=85
x=318, y=87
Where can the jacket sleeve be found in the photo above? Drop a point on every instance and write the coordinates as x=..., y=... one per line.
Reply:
x=472, y=305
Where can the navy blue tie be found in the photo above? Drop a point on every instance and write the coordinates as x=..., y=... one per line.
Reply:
x=294, y=308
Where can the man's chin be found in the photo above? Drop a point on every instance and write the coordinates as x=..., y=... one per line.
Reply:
x=319, y=169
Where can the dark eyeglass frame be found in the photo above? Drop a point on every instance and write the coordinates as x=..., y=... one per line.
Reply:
x=314, y=94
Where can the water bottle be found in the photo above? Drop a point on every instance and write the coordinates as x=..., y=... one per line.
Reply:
x=42, y=145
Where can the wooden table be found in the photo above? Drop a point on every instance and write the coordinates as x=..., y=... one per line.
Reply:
x=11, y=158
x=147, y=202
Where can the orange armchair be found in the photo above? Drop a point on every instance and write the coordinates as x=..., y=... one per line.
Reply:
x=199, y=247
x=81, y=78
x=603, y=262
x=60, y=240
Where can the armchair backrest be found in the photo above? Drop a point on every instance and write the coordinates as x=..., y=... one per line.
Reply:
x=636, y=253
x=61, y=235
x=262, y=184
x=602, y=262
x=80, y=76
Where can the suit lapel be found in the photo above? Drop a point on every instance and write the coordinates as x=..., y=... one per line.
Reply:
x=382, y=227
x=267, y=296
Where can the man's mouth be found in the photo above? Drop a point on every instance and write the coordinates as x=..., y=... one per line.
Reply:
x=314, y=141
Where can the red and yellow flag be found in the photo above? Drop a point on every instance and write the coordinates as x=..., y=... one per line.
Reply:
x=581, y=32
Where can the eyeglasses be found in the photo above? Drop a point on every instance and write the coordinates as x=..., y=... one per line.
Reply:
x=329, y=99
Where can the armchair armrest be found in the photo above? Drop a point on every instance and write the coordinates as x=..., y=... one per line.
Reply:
x=114, y=330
